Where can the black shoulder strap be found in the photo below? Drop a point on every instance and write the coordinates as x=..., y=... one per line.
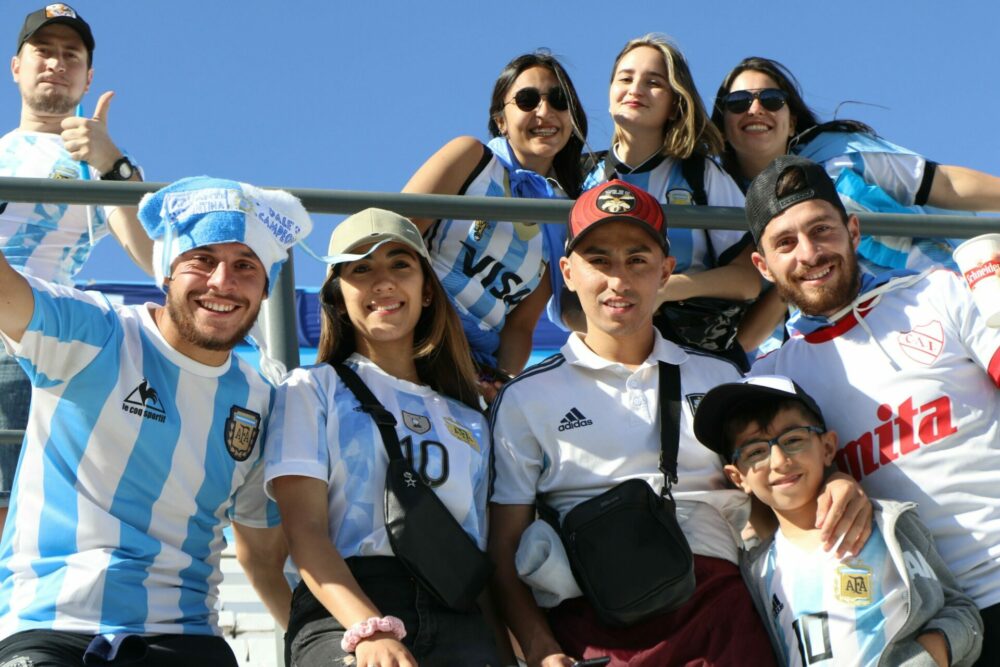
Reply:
x=383, y=419
x=693, y=171
x=670, y=422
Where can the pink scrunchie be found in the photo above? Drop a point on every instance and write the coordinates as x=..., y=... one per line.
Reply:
x=365, y=629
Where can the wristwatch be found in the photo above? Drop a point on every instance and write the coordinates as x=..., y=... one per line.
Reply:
x=121, y=170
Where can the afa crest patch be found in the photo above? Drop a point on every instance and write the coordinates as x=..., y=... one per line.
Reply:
x=461, y=433
x=242, y=430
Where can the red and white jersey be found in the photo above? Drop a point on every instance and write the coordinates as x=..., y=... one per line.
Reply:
x=909, y=381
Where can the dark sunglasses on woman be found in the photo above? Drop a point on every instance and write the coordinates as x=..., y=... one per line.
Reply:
x=740, y=101
x=528, y=99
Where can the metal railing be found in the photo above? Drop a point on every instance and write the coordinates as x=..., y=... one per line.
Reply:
x=279, y=313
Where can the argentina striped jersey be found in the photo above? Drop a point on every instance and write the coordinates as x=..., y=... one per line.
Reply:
x=317, y=430
x=49, y=241
x=487, y=266
x=134, y=457
x=696, y=250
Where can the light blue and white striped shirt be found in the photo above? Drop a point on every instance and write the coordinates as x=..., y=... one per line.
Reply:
x=135, y=457
x=317, y=430
x=49, y=241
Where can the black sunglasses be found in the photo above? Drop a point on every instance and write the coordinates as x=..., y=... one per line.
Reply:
x=740, y=101
x=528, y=99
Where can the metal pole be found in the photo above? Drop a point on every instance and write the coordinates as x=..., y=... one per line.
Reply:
x=280, y=320
x=487, y=208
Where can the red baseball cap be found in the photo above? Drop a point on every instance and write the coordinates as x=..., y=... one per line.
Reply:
x=616, y=201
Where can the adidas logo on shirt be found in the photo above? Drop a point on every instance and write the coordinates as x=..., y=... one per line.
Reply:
x=573, y=419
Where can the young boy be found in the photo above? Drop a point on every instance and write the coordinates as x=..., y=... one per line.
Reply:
x=894, y=603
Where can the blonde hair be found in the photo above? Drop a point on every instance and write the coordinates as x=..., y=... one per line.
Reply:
x=689, y=131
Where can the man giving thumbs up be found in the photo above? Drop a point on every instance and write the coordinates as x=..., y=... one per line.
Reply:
x=52, y=68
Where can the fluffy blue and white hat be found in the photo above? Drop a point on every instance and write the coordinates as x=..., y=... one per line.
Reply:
x=202, y=210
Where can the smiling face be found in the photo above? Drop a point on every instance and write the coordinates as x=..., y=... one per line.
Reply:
x=758, y=135
x=787, y=484
x=51, y=70
x=213, y=297
x=537, y=135
x=616, y=270
x=809, y=254
x=640, y=93
x=384, y=295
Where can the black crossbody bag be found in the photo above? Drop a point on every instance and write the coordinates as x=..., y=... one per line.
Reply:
x=625, y=547
x=424, y=535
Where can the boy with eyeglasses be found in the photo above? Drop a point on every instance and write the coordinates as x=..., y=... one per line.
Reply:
x=895, y=602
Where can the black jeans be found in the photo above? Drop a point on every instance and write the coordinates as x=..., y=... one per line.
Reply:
x=990, y=657
x=436, y=635
x=54, y=648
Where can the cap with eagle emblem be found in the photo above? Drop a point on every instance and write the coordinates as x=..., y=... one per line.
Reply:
x=617, y=201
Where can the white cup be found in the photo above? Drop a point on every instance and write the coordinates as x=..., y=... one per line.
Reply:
x=979, y=261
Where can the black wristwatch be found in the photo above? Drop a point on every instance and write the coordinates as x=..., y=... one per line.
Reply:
x=121, y=170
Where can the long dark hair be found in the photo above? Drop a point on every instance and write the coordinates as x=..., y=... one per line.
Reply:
x=566, y=163
x=806, y=123
x=689, y=132
x=440, y=349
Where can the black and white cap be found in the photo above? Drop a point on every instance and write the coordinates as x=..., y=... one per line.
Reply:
x=713, y=410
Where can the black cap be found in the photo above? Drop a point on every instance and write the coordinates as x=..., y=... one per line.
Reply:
x=763, y=204
x=55, y=13
x=714, y=409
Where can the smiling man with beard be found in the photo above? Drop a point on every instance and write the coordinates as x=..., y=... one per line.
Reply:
x=904, y=365
x=145, y=435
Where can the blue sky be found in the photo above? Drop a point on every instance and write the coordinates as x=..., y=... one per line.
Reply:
x=356, y=95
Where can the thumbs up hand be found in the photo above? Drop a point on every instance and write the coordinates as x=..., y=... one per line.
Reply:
x=87, y=139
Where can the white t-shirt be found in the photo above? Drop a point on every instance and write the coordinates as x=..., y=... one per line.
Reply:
x=917, y=410
x=576, y=425
x=317, y=430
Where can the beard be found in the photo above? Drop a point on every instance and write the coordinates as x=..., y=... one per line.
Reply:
x=188, y=330
x=52, y=103
x=829, y=298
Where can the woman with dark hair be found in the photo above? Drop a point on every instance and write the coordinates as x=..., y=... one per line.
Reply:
x=387, y=318
x=760, y=110
x=664, y=143
x=496, y=272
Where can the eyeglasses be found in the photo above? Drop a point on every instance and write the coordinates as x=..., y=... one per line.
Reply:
x=740, y=101
x=528, y=99
x=794, y=440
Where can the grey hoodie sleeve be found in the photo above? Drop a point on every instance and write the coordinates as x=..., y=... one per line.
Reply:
x=958, y=618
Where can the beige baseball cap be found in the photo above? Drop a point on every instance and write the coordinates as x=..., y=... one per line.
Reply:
x=375, y=226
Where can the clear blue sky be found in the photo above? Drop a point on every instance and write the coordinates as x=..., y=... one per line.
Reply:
x=355, y=95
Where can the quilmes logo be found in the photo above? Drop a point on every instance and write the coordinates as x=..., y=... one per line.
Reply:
x=573, y=419
x=902, y=431
x=145, y=402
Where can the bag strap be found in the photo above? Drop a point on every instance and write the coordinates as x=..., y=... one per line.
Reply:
x=693, y=171
x=383, y=419
x=670, y=423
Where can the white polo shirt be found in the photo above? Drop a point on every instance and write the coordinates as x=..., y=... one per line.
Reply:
x=577, y=424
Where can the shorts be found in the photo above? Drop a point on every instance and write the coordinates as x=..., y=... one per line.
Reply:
x=56, y=648
x=15, y=397
x=700, y=633
x=436, y=635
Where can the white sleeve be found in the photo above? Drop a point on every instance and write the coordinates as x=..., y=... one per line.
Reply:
x=899, y=174
x=980, y=341
x=721, y=190
x=251, y=506
x=296, y=442
x=68, y=329
x=517, y=455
